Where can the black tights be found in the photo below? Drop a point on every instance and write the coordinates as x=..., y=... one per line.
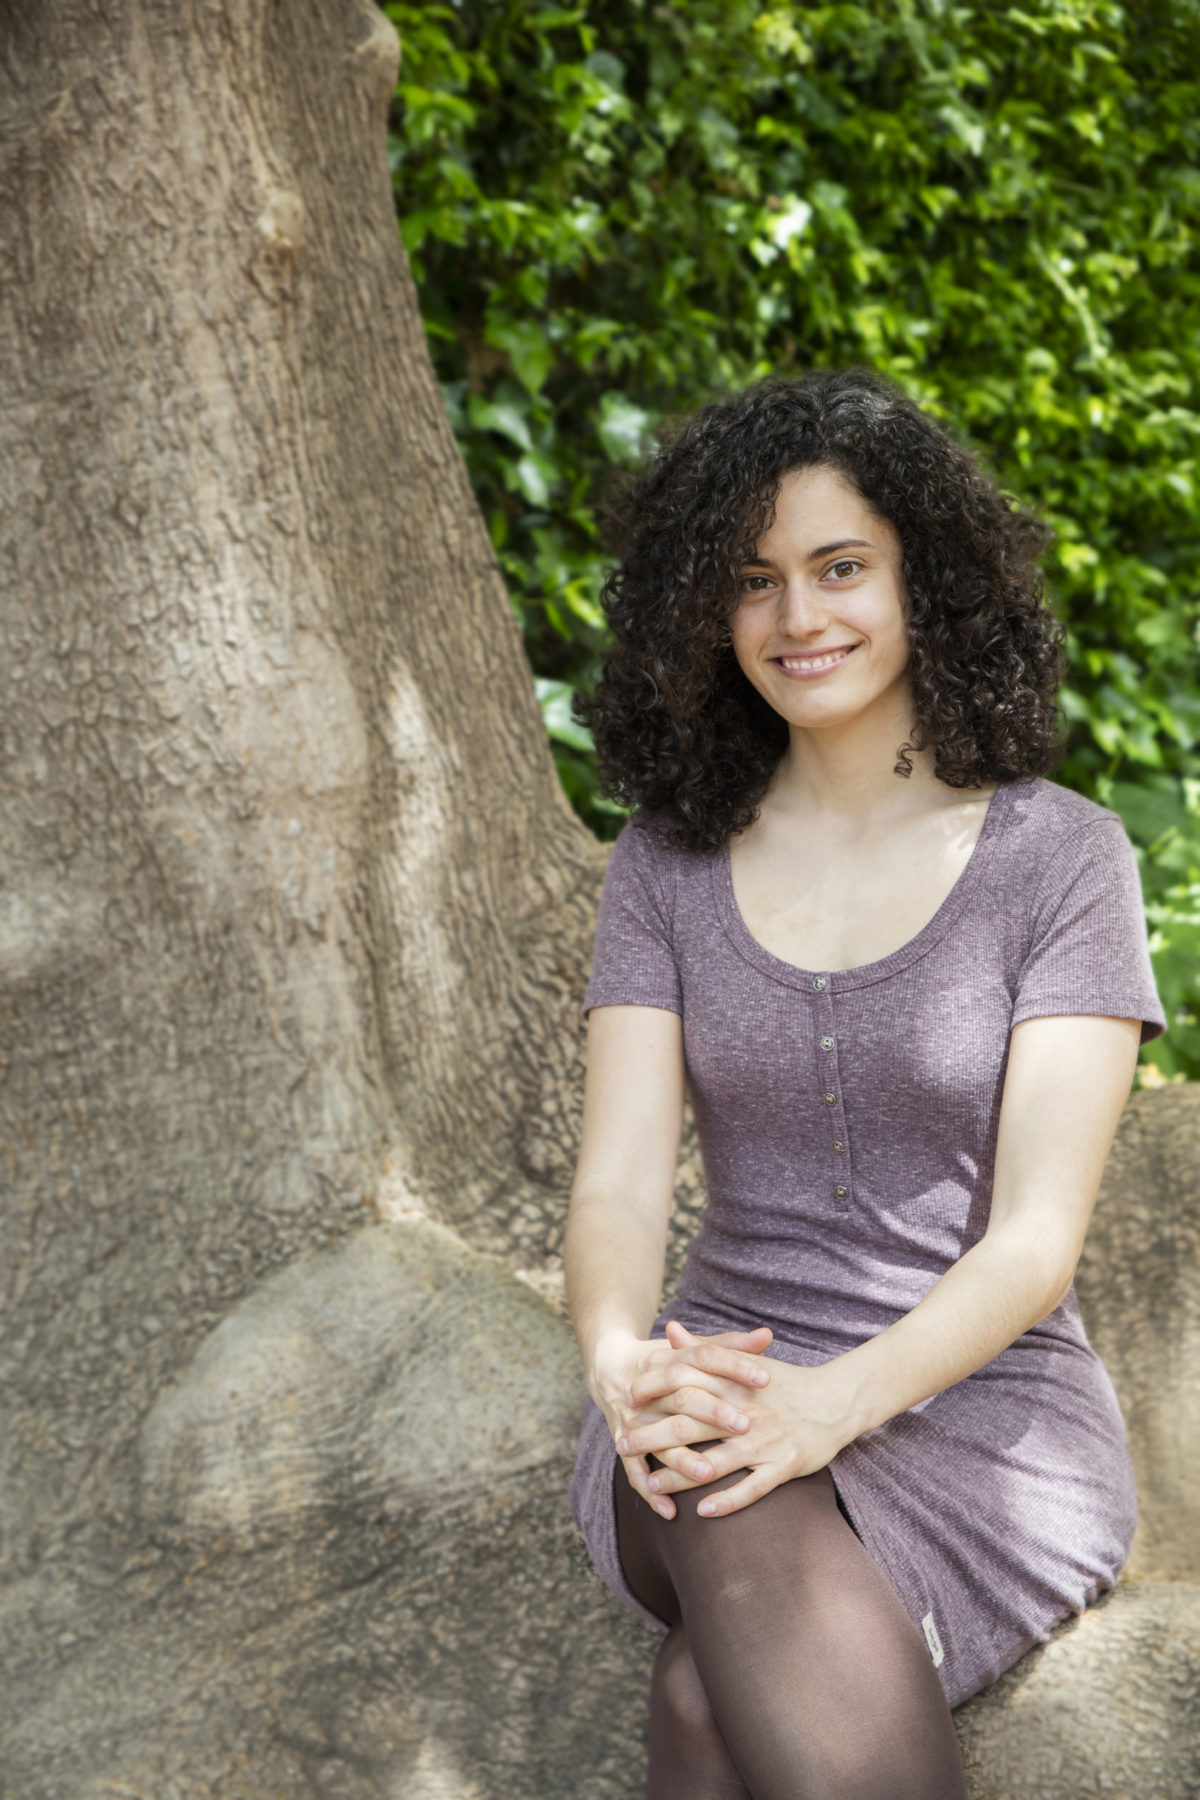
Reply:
x=790, y=1670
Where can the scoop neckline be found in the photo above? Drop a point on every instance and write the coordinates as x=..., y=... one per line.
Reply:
x=862, y=974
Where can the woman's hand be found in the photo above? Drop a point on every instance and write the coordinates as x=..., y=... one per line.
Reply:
x=701, y=1394
x=796, y=1427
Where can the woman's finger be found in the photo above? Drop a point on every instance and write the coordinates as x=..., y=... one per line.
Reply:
x=715, y=1356
x=664, y=1434
x=758, y=1482
x=683, y=1468
x=739, y=1365
x=703, y=1360
x=674, y=1476
x=697, y=1402
x=638, y=1471
x=756, y=1339
x=672, y=1385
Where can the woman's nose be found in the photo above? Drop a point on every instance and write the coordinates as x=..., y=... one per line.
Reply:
x=803, y=610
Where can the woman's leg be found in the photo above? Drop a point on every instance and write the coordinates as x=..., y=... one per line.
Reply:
x=820, y=1685
x=688, y=1758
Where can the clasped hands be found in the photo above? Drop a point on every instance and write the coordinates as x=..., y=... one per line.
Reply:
x=661, y=1396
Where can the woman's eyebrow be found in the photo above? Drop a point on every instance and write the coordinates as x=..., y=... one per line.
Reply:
x=763, y=562
x=842, y=544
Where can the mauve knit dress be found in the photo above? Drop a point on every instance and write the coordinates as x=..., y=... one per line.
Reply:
x=847, y=1121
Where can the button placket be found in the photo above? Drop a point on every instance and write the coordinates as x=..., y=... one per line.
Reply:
x=829, y=1076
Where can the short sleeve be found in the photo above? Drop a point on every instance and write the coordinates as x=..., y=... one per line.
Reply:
x=1088, y=952
x=633, y=963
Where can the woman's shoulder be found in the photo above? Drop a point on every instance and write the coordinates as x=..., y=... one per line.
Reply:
x=652, y=839
x=1055, y=838
x=648, y=857
x=642, y=855
x=1072, y=881
x=1046, y=815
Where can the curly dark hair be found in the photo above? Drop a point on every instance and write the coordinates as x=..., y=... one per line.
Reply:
x=679, y=730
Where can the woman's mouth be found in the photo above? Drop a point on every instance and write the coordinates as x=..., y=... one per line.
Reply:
x=812, y=663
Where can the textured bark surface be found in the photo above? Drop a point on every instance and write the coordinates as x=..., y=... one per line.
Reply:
x=1139, y=1288
x=294, y=919
x=294, y=915
x=294, y=924
x=1107, y=1709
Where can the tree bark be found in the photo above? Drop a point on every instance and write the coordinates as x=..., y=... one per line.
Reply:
x=294, y=918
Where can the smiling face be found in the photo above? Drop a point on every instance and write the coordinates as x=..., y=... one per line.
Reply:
x=820, y=627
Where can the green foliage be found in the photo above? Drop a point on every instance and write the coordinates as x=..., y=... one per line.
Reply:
x=617, y=208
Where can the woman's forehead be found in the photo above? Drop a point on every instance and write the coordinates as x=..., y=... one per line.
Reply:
x=819, y=509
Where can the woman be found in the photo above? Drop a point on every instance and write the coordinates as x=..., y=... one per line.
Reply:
x=868, y=1457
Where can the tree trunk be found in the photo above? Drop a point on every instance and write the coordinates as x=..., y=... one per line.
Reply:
x=293, y=930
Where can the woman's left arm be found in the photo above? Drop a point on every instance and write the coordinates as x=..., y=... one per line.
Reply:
x=1064, y=1090
x=1066, y=1083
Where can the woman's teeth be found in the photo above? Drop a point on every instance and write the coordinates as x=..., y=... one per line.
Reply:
x=824, y=661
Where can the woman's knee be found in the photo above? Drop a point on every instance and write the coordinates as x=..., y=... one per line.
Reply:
x=677, y=1689
x=639, y=1551
x=738, y=1559
x=805, y=1497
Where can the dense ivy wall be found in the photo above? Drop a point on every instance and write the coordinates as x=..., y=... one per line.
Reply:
x=614, y=209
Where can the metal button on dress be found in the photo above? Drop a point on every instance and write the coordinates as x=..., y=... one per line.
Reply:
x=827, y=1043
x=838, y=1147
x=841, y=1192
x=831, y=1099
x=819, y=983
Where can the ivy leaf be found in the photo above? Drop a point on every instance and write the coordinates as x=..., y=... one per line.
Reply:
x=554, y=698
x=528, y=348
x=501, y=416
x=536, y=477
x=621, y=426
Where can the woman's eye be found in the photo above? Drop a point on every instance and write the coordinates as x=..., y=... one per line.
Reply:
x=845, y=569
x=751, y=583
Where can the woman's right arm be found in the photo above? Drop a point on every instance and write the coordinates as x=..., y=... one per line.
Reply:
x=614, y=1249
x=616, y=1237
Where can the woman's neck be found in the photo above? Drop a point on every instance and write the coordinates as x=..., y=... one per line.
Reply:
x=848, y=772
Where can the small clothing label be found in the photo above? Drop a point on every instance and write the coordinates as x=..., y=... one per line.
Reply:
x=933, y=1640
